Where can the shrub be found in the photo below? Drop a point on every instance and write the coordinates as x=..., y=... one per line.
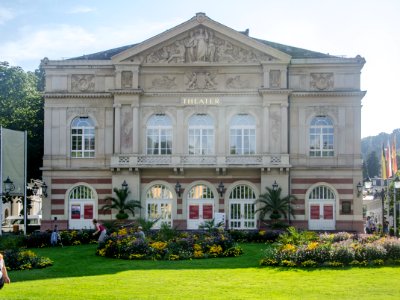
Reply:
x=341, y=253
x=125, y=245
x=18, y=259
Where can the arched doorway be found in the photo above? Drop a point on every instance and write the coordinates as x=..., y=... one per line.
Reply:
x=81, y=207
x=200, y=205
x=321, y=208
x=242, y=208
x=159, y=205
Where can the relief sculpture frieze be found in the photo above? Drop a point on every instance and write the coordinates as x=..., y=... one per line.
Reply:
x=202, y=45
x=82, y=83
x=201, y=81
x=321, y=81
x=163, y=82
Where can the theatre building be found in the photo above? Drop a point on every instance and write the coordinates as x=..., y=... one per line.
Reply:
x=198, y=121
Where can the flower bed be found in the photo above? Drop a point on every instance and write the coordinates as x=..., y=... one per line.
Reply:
x=185, y=245
x=19, y=259
x=306, y=249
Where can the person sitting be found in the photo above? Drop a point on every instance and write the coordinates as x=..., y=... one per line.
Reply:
x=140, y=233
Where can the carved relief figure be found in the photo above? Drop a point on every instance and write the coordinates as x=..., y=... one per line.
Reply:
x=202, y=45
x=209, y=80
x=126, y=79
x=275, y=78
x=163, y=82
x=82, y=83
x=201, y=81
x=179, y=55
x=211, y=47
x=275, y=126
x=126, y=134
x=192, y=83
x=190, y=45
x=321, y=81
x=237, y=83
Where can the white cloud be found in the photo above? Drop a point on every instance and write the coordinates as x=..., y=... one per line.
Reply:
x=6, y=15
x=81, y=10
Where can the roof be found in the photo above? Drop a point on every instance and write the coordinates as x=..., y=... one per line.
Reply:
x=294, y=52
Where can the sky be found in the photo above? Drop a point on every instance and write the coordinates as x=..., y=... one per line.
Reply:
x=58, y=29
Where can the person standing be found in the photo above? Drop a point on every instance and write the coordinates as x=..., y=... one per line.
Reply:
x=3, y=274
x=99, y=229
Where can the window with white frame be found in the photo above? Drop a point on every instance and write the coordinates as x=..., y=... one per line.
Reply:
x=82, y=138
x=321, y=137
x=159, y=205
x=159, y=135
x=201, y=135
x=242, y=135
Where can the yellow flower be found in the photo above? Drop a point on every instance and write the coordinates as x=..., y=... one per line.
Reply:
x=158, y=245
x=215, y=249
x=262, y=232
x=197, y=247
x=311, y=246
x=122, y=231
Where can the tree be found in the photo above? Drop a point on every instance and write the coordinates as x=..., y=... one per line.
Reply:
x=272, y=202
x=372, y=165
x=21, y=108
x=121, y=203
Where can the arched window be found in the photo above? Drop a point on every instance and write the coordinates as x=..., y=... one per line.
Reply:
x=82, y=137
x=159, y=135
x=321, y=137
x=200, y=191
x=242, y=213
x=322, y=193
x=201, y=135
x=159, y=205
x=242, y=135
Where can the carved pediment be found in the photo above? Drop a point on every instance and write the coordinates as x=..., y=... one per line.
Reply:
x=201, y=45
x=201, y=40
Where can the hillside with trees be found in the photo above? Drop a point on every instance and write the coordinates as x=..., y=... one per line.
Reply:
x=371, y=149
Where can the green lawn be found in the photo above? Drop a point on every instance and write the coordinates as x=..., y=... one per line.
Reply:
x=78, y=274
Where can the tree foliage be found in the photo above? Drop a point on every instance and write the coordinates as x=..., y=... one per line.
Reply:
x=272, y=202
x=121, y=203
x=372, y=164
x=21, y=108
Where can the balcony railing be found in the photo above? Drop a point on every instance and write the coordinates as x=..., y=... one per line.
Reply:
x=162, y=161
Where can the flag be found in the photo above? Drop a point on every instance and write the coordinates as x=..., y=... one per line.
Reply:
x=388, y=157
x=394, y=155
x=383, y=163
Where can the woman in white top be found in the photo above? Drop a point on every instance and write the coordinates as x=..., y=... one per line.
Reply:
x=3, y=273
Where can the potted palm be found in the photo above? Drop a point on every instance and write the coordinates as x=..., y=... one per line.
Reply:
x=121, y=203
x=274, y=204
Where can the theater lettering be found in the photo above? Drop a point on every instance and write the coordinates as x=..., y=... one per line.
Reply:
x=201, y=101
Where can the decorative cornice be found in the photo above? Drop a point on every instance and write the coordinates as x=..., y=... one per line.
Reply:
x=202, y=93
x=127, y=92
x=77, y=95
x=274, y=91
x=330, y=94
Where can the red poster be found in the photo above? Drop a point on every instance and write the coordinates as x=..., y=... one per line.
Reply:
x=328, y=212
x=193, y=211
x=75, y=212
x=314, y=212
x=88, y=211
x=207, y=211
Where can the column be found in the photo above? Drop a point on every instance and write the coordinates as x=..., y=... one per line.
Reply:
x=117, y=128
x=284, y=128
x=135, y=129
